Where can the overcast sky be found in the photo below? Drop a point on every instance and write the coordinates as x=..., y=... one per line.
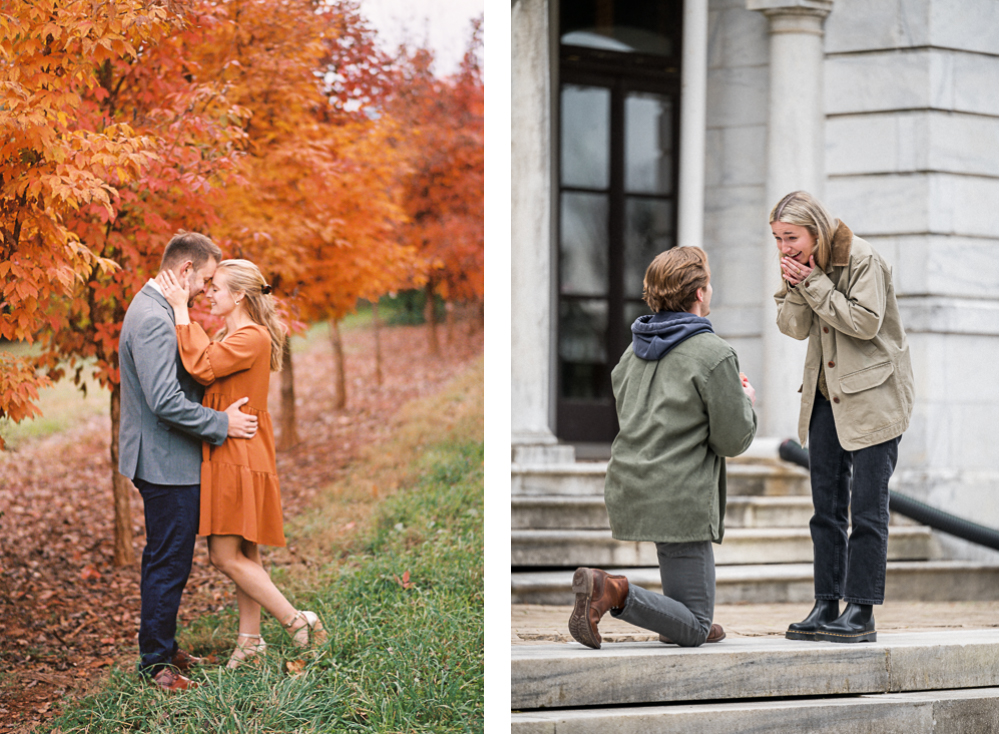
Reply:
x=444, y=25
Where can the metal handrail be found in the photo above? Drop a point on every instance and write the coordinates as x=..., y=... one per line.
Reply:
x=791, y=451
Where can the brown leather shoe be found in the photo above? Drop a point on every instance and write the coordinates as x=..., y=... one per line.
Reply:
x=596, y=593
x=184, y=661
x=171, y=681
x=716, y=634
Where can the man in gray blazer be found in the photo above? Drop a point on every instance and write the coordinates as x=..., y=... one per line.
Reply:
x=161, y=431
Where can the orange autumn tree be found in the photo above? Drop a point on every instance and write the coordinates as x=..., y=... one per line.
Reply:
x=316, y=211
x=443, y=189
x=192, y=135
x=52, y=167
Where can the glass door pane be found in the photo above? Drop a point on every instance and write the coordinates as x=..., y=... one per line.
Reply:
x=585, y=135
x=649, y=143
x=583, y=244
x=583, y=327
x=649, y=230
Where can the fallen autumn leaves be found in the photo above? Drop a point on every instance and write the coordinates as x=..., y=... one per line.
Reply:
x=66, y=614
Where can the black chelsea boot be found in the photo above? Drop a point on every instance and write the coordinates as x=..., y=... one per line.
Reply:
x=825, y=610
x=856, y=624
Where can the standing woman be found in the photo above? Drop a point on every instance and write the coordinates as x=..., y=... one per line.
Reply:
x=240, y=499
x=857, y=397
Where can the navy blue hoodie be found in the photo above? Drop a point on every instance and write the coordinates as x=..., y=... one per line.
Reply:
x=654, y=335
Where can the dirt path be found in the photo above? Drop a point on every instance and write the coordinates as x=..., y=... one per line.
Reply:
x=67, y=615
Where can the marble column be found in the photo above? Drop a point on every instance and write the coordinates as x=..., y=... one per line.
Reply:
x=795, y=160
x=533, y=78
x=694, y=76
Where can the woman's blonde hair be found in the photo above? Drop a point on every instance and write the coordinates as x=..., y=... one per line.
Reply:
x=243, y=275
x=804, y=210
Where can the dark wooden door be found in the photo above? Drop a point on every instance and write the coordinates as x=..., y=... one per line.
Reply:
x=618, y=132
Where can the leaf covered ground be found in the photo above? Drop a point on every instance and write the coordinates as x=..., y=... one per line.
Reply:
x=67, y=616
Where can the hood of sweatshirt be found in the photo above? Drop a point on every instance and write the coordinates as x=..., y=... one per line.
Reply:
x=654, y=335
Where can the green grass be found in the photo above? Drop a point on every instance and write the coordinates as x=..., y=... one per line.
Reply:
x=396, y=660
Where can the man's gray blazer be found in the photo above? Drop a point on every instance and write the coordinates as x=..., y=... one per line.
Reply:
x=162, y=419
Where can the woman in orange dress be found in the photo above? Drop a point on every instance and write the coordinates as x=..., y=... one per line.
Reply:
x=240, y=498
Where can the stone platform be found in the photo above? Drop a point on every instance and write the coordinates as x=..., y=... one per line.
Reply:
x=535, y=624
x=933, y=669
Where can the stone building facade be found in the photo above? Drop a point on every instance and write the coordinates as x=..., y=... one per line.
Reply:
x=641, y=124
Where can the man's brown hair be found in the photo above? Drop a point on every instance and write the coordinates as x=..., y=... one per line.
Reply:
x=673, y=279
x=189, y=246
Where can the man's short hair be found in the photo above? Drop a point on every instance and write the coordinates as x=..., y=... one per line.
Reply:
x=189, y=246
x=673, y=279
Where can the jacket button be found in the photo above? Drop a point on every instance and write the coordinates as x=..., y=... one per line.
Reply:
x=830, y=364
x=826, y=329
x=836, y=400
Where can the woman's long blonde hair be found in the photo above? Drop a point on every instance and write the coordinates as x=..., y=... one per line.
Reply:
x=804, y=210
x=243, y=275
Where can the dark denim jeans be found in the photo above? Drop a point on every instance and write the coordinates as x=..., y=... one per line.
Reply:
x=683, y=613
x=172, y=513
x=849, y=569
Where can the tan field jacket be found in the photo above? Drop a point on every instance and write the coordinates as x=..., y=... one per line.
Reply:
x=850, y=316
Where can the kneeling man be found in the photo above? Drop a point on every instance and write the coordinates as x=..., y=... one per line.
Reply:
x=683, y=405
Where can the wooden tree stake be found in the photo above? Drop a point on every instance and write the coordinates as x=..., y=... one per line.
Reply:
x=120, y=489
x=432, y=337
x=378, y=344
x=339, y=382
x=288, y=436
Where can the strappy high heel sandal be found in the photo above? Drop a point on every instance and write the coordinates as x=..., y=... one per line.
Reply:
x=309, y=633
x=243, y=653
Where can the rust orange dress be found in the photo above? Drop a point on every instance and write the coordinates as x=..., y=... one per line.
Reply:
x=239, y=479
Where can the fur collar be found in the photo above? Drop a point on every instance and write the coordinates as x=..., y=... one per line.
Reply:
x=841, y=246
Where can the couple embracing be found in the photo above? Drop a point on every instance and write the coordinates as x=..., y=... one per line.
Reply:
x=196, y=440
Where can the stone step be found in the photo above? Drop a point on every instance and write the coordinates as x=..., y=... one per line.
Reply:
x=784, y=583
x=565, y=513
x=956, y=711
x=572, y=548
x=586, y=478
x=634, y=673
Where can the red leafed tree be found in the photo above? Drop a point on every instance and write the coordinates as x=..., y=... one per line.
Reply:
x=317, y=212
x=443, y=188
x=51, y=166
x=191, y=135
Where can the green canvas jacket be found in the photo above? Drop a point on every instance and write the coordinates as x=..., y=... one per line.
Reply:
x=678, y=417
x=850, y=316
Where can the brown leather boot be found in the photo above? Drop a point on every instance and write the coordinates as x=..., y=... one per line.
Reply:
x=185, y=661
x=715, y=634
x=171, y=681
x=596, y=593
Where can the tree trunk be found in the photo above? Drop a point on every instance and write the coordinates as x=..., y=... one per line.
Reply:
x=376, y=326
x=339, y=383
x=432, y=336
x=120, y=489
x=449, y=320
x=477, y=320
x=288, y=436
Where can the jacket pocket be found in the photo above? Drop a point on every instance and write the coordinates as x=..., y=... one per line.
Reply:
x=867, y=378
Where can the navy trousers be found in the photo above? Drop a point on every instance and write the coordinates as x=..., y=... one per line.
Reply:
x=172, y=513
x=852, y=569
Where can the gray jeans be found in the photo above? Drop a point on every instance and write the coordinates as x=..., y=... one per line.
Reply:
x=684, y=611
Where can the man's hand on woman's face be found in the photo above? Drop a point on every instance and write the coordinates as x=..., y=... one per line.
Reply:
x=176, y=292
